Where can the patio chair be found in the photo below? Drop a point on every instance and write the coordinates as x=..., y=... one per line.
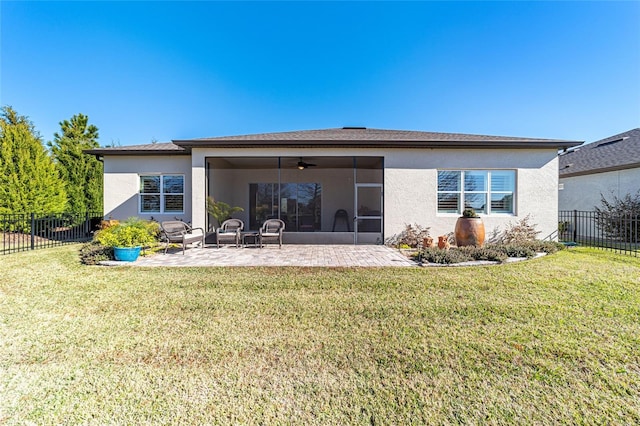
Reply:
x=176, y=231
x=230, y=231
x=271, y=228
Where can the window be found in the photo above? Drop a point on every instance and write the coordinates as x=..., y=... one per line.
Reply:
x=486, y=191
x=162, y=194
x=298, y=204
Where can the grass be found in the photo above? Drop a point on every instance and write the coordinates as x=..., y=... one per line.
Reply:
x=551, y=340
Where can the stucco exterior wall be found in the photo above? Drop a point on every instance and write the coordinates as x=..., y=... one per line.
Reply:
x=410, y=183
x=121, y=183
x=411, y=187
x=583, y=192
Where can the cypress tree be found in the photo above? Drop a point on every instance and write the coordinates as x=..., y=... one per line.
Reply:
x=29, y=181
x=81, y=173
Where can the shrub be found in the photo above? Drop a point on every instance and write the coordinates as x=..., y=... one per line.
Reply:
x=411, y=236
x=483, y=253
x=490, y=252
x=469, y=212
x=520, y=231
x=436, y=255
x=545, y=246
x=93, y=253
x=619, y=219
x=131, y=233
x=514, y=250
x=528, y=249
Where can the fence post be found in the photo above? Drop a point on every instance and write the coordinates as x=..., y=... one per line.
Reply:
x=33, y=231
x=575, y=226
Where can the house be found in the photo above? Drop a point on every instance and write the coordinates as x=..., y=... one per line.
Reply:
x=609, y=167
x=342, y=186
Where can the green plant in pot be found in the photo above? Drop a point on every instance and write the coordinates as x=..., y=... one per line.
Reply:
x=127, y=238
x=469, y=229
x=220, y=210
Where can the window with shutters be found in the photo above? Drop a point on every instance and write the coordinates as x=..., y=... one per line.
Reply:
x=162, y=194
x=486, y=191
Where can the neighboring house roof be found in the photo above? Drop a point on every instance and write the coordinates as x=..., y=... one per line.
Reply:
x=618, y=152
x=346, y=137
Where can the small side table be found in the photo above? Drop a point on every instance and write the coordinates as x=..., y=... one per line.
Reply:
x=250, y=235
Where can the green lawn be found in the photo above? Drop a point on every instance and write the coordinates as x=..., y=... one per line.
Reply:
x=551, y=340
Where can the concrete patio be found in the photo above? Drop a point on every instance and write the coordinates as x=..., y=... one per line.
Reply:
x=288, y=255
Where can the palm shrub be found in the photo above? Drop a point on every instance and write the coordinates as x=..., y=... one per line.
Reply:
x=220, y=210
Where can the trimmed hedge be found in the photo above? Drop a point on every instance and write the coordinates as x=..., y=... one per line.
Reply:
x=491, y=252
x=93, y=253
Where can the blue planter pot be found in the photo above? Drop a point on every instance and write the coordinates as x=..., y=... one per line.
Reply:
x=126, y=254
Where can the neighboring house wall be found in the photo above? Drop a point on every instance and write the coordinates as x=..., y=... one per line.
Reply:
x=122, y=183
x=583, y=192
x=410, y=183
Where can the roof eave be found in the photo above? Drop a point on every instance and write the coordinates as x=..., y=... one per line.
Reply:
x=146, y=152
x=479, y=144
x=601, y=170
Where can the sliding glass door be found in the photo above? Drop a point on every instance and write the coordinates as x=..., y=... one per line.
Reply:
x=299, y=205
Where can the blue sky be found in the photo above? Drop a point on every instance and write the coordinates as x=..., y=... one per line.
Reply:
x=145, y=71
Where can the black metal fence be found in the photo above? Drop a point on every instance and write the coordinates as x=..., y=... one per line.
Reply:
x=616, y=232
x=30, y=231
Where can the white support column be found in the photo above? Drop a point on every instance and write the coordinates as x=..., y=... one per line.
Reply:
x=198, y=189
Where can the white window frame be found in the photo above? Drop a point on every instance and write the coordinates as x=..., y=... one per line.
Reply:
x=488, y=192
x=162, y=194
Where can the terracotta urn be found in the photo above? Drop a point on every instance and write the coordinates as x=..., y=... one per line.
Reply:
x=443, y=242
x=469, y=232
x=428, y=242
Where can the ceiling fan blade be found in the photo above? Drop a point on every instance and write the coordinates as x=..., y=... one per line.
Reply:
x=303, y=165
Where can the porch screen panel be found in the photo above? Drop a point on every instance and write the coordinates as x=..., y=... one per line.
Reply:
x=298, y=205
x=263, y=204
x=309, y=205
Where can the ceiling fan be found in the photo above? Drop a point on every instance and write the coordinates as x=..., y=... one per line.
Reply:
x=302, y=165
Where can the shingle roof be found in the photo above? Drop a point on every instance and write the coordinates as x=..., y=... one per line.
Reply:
x=165, y=148
x=359, y=137
x=618, y=152
x=364, y=137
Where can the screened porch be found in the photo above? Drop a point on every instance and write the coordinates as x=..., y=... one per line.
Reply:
x=321, y=199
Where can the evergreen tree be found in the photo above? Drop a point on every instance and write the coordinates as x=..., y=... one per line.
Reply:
x=81, y=173
x=29, y=181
